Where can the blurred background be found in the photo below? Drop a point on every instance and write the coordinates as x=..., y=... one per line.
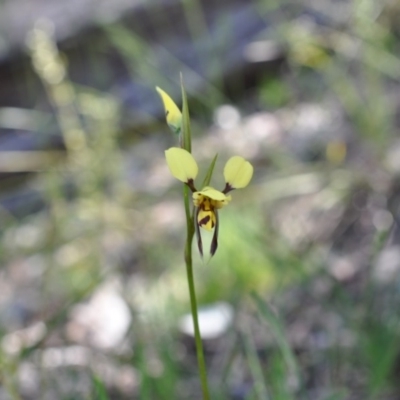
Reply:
x=302, y=298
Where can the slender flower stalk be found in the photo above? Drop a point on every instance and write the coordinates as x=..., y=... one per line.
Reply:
x=180, y=124
x=206, y=202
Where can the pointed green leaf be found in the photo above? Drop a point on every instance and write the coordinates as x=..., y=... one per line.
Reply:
x=207, y=178
x=186, y=131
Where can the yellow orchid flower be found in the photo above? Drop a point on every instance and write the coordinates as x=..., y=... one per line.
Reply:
x=237, y=173
x=172, y=112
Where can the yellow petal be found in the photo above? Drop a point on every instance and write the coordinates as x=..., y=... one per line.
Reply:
x=212, y=193
x=238, y=172
x=172, y=112
x=197, y=199
x=181, y=164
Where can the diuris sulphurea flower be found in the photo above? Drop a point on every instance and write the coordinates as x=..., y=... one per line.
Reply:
x=237, y=173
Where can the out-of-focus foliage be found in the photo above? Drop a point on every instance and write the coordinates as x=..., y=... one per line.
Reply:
x=92, y=280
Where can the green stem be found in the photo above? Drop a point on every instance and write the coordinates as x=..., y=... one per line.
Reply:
x=193, y=301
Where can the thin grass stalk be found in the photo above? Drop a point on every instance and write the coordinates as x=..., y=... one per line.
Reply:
x=256, y=369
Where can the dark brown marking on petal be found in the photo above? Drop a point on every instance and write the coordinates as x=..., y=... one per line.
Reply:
x=166, y=113
x=227, y=188
x=204, y=220
x=198, y=233
x=214, y=242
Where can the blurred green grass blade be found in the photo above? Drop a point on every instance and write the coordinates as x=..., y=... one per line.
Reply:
x=340, y=395
x=260, y=388
x=134, y=49
x=100, y=392
x=186, y=131
x=381, y=347
x=279, y=333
